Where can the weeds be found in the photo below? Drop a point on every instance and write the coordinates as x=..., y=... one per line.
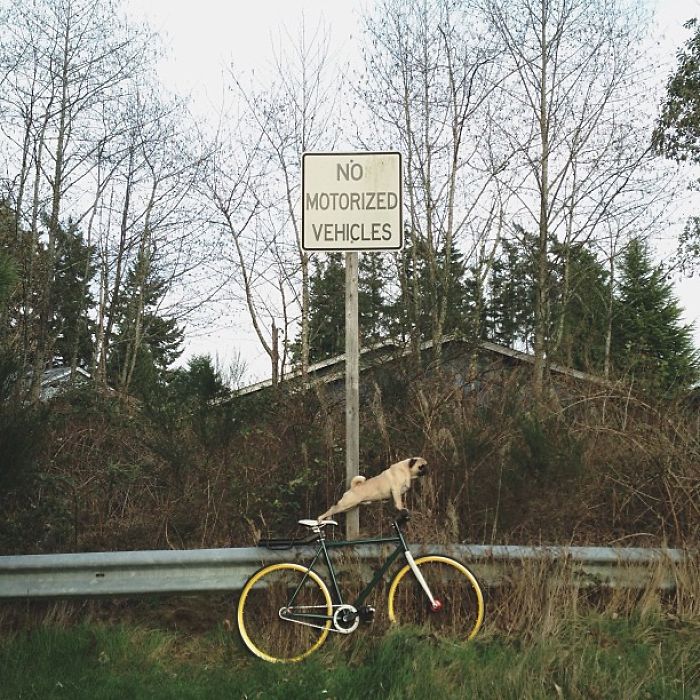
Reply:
x=585, y=466
x=595, y=657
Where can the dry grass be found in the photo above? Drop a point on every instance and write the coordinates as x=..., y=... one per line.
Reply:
x=583, y=466
x=538, y=599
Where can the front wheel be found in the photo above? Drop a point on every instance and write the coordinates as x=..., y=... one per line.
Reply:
x=284, y=612
x=459, y=609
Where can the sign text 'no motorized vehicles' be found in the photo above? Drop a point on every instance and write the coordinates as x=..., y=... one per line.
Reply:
x=351, y=201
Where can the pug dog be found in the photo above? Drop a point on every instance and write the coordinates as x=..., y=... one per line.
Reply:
x=391, y=483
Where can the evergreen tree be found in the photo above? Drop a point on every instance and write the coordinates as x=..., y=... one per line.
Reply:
x=71, y=323
x=327, y=308
x=8, y=279
x=650, y=342
x=13, y=240
x=8, y=268
x=455, y=289
x=146, y=343
x=577, y=293
x=200, y=382
x=510, y=309
x=327, y=305
x=677, y=133
x=190, y=392
x=579, y=309
x=371, y=302
x=418, y=300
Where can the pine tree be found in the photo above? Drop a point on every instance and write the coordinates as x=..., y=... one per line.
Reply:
x=579, y=309
x=8, y=279
x=200, y=382
x=677, y=133
x=510, y=308
x=371, y=302
x=577, y=292
x=327, y=308
x=457, y=292
x=419, y=298
x=8, y=267
x=71, y=323
x=13, y=245
x=327, y=305
x=650, y=342
x=146, y=343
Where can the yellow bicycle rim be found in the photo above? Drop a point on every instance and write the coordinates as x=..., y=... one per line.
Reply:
x=457, y=566
x=244, y=595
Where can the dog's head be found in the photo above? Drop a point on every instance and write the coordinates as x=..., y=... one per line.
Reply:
x=417, y=466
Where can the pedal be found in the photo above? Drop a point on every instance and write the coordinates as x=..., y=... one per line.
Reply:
x=366, y=613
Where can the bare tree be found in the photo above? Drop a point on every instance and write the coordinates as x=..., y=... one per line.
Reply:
x=430, y=72
x=232, y=189
x=153, y=226
x=289, y=113
x=576, y=74
x=75, y=55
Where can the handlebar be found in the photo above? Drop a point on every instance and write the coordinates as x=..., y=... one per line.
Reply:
x=403, y=517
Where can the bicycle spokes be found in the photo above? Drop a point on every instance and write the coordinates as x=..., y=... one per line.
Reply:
x=456, y=603
x=265, y=612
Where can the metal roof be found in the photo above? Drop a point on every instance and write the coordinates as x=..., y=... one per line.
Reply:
x=318, y=374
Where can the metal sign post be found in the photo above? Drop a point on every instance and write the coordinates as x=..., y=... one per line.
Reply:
x=351, y=202
x=352, y=387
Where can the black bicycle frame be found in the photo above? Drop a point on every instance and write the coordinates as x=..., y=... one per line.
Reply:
x=322, y=551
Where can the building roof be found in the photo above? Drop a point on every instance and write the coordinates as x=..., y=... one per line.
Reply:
x=56, y=380
x=333, y=369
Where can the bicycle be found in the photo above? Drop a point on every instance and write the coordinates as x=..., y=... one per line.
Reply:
x=286, y=611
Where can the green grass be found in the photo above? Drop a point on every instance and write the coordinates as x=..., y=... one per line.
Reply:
x=593, y=657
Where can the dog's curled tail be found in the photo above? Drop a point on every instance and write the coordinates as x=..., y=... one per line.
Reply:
x=356, y=480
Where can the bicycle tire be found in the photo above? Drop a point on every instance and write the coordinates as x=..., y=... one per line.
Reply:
x=262, y=629
x=461, y=612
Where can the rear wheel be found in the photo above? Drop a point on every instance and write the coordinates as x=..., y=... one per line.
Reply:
x=284, y=612
x=459, y=609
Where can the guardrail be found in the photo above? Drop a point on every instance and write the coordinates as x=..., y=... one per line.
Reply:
x=206, y=570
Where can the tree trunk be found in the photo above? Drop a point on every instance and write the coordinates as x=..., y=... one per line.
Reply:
x=45, y=342
x=542, y=262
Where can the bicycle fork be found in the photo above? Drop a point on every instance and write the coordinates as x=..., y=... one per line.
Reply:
x=435, y=604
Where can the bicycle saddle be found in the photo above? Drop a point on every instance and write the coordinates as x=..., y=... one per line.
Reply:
x=317, y=523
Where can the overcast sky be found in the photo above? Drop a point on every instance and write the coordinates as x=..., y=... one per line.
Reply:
x=205, y=36
x=202, y=38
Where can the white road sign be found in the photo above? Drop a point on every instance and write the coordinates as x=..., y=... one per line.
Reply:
x=351, y=201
